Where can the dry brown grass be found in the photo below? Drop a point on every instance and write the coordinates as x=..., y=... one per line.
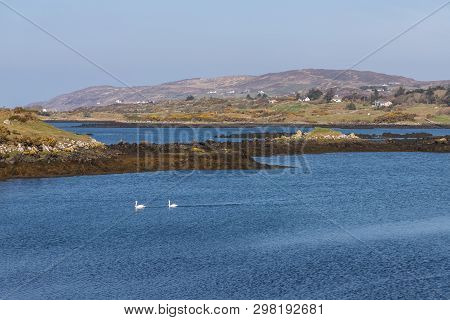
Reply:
x=26, y=128
x=215, y=110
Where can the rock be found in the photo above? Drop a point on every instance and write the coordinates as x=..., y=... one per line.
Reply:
x=353, y=136
x=297, y=135
x=442, y=141
x=7, y=122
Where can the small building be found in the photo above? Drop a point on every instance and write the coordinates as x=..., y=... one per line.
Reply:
x=305, y=99
x=382, y=104
x=336, y=99
x=118, y=101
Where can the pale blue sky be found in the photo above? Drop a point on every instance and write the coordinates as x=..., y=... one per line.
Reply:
x=149, y=42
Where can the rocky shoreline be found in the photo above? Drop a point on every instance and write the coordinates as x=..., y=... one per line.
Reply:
x=210, y=155
x=61, y=148
x=125, y=158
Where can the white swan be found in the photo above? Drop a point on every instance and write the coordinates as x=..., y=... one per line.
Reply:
x=172, y=205
x=138, y=206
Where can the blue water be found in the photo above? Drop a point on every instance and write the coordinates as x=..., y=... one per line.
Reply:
x=186, y=135
x=358, y=226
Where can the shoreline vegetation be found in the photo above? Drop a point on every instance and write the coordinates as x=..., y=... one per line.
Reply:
x=391, y=108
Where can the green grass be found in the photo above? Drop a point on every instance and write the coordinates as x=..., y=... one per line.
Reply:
x=443, y=119
x=289, y=107
x=35, y=129
x=319, y=132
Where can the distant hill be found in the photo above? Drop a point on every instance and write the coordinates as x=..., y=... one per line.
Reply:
x=272, y=84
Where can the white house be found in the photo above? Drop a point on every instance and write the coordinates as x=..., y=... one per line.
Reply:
x=336, y=99
x=118, y=101
x=306, y=99
x=382, y=103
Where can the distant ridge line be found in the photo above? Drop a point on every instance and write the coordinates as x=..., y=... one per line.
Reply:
x=274, y=83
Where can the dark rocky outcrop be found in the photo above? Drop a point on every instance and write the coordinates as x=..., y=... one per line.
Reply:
x=210, y=155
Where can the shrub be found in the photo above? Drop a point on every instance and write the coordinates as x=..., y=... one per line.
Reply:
x=205, y=116
x=21, y=115
x=20, y=110
x=374, y=96
x=261, y=96
x=429, y=95
x=29, y=141
x=152, y=117
x=350, y=106
x=415, y=91
x=4, y=133
x=48, y=141
x=400, y=91
x=190, y=98
x=314, y=94
x=446, y=98
x=329, y=95
x=396, y=116
x=133, y=117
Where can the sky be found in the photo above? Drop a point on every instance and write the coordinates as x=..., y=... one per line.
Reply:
x=149, y=42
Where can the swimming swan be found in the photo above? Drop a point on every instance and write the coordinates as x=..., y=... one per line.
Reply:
x=172, y=205
x=138, y=206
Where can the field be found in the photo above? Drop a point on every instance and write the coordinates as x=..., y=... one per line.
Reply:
x=214, y=110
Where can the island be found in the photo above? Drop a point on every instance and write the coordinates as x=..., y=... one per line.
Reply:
x=30, y=147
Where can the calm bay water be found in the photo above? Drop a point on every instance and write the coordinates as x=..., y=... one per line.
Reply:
x=186, y=135
x=359, y=226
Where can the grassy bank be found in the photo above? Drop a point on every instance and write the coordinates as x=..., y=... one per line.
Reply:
x=261, y=111
x=22, y=126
